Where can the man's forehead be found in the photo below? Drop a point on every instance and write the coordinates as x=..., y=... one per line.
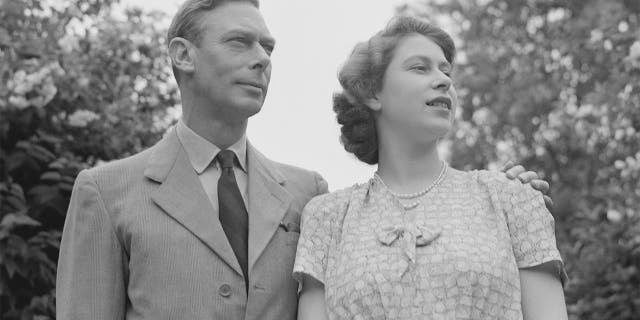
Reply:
x=249, y=31
x=236, y=16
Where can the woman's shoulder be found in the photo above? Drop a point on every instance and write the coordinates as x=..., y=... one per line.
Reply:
x=493, y=179
x=493, y=183
x=483, y=177
x=333, y=202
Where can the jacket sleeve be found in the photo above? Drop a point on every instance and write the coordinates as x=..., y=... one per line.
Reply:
x=92, y=264
x=321, y=185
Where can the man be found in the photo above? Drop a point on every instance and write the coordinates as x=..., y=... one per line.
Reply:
x=201, y=225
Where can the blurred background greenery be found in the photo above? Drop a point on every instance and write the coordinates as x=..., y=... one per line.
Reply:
x=552, y=84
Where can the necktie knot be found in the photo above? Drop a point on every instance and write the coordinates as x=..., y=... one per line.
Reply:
x=226, y=158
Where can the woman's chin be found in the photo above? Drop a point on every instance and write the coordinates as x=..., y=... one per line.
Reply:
x=438, y=129
x=432, y=136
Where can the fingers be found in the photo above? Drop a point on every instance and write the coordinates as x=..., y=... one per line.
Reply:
x=507, y=166
x=515, y=171
x=548, y=202
x=540, y=185
x=527, y=177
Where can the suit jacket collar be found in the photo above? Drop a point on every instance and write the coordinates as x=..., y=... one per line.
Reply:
x=163, y=156
x=181, y=195
x=268, y=202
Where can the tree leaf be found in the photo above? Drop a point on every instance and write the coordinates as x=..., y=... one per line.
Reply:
x=51, y=176
x=5, y=38
x=13, y=220
x=43, y=193
x=11, y=268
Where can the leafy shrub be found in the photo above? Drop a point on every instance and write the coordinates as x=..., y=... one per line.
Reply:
x=555, y=85
x=83, y=86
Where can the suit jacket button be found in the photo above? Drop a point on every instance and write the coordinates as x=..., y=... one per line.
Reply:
x=224, y=290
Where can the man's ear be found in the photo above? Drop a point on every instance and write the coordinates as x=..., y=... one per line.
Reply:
x=181, y=52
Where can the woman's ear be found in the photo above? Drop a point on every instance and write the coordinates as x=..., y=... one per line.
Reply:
x=373, y=103
x=182, y=54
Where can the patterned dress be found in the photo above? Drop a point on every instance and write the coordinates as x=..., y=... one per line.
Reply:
x=455, y=256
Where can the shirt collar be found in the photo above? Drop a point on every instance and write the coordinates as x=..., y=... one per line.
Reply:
x=201, y=152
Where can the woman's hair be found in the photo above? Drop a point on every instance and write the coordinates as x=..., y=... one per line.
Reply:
x=361, y=78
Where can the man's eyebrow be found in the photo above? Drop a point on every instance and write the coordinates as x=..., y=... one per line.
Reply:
x=268, y=40
x=240, y=32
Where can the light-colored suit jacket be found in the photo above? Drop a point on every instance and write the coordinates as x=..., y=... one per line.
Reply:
x=141, y=241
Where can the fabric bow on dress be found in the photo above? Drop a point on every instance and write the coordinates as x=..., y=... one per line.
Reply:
x=410, y=238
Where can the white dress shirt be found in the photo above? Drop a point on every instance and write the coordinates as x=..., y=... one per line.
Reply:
x=202, y=154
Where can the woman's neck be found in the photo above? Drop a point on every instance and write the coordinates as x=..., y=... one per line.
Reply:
x=408, y=167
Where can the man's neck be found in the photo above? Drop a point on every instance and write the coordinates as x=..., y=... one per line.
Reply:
x=215, y=131
x=199, y=116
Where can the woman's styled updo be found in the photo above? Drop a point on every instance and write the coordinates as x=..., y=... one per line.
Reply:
x=361, y=78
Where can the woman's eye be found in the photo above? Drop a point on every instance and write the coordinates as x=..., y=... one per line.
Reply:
x=419, y=68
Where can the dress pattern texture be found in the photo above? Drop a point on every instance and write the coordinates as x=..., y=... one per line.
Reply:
x=455, y=256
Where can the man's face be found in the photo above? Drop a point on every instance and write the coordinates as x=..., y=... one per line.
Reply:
x=232, y=61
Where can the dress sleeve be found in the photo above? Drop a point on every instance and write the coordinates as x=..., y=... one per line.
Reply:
x=315, y=238
x=531, y=225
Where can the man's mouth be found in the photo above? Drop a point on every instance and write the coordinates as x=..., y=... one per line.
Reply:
x=256, y=85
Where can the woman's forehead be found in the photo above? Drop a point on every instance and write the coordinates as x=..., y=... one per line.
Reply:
x=419, y=46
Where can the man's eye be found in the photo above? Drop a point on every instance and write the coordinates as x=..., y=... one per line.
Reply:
x=239, y=40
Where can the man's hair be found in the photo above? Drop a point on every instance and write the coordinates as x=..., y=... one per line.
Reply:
x=187, y=22
x=361, y=78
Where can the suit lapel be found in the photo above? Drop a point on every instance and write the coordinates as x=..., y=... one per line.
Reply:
x=268, y=202
x=182, y=197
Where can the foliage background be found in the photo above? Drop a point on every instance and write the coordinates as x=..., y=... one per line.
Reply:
x=556, y=85
x=80, y=86
x=552, y=84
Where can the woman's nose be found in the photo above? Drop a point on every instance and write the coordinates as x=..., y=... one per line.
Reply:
x=443, y=82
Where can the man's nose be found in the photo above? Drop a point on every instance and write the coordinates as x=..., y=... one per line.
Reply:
x=262, y=60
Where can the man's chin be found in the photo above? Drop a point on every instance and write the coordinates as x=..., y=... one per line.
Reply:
x=250, y=108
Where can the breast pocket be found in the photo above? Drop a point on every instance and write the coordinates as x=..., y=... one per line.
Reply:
x=289, y=233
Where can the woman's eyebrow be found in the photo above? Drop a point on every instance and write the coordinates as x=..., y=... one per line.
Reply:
x=427, y=60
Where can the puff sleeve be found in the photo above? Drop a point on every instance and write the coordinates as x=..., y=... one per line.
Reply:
x=312, y=254
x=531, y=226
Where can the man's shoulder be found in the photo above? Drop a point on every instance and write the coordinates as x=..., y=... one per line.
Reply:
x=118, y=179
x=122, y=175
x=133, y=163
x=290, y=170
x=296, y=178
x=162, y=152
x=279, y=169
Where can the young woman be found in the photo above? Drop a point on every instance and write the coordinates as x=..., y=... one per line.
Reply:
x=421, y=240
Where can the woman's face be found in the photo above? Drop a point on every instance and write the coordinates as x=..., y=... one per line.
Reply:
x=417, y=98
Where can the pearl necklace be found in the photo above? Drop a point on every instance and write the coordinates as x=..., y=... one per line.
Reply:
x=436, y=182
